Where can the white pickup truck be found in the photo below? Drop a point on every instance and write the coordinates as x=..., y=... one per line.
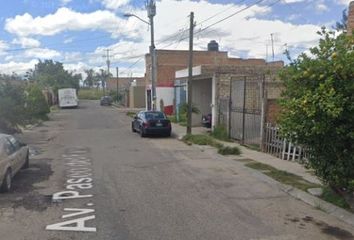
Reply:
x=68, y=98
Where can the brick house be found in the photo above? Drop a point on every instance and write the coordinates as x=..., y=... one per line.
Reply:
x=170, y=61
x=239, y=97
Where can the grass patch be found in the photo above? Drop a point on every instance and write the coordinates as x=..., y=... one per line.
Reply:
x=283, y=176
x=244, y=160
x=90, y=94
x=332, y=197
x=220, y=132
x=229, y=150
x=131, y=114
x=201, y=139
x=254, y=147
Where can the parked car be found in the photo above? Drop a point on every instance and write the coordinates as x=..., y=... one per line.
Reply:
x=106, y=100
x=206, y=120
x=14, y=155
x=151, y=122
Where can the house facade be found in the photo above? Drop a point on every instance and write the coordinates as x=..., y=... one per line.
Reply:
x=170, y=61
x=237, y=96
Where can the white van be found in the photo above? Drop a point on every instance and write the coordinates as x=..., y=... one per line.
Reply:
x=67, y=97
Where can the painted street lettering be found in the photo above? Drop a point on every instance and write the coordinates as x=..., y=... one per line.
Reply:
x=79, y=181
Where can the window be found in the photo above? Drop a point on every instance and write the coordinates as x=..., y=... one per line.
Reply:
x=155, y=115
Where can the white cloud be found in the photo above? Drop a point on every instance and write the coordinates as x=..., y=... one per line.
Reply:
x=17, y=67
x=64, y=2
x=114, y=4
x=41, y=53
x=291, y=1
x=245, y=34
x=65, y=19
x=343, y=2
x=3, y=46
x=26, y=42
x=320, y=6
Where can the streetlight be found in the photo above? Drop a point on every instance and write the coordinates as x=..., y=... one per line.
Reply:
x=151, y=11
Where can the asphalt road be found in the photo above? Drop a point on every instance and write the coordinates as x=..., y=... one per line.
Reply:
x=127, y=187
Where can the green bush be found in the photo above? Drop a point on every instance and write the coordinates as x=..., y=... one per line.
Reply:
x=220, y=132
x=36, y=104
x=229, y=150
x=12, y=106
x=318, y=107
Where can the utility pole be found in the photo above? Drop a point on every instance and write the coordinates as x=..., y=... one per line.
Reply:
x=271, y=37
x=117, y=84
x=151, y=12
x=108, y=62
x=190, y=74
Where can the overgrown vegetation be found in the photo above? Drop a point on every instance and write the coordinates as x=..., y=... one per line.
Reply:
x=200, y=139
x=283, y=176
x=298, y=182
x=318, y=108
x=37, y=106
x=20, y=104
x=220, y=132
x=226, y=150
x=131, y=114
x=182, y=116
x=51, y=74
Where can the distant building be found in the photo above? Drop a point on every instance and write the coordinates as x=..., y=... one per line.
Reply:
x=124, y=83
x=130, y=89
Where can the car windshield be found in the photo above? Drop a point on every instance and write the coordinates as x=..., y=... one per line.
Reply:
x=155, y=115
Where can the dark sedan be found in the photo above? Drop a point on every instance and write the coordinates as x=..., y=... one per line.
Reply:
x=106, y=100
x=151, y=123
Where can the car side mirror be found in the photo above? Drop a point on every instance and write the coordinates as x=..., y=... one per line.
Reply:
x=135, y=117
x=23, y=144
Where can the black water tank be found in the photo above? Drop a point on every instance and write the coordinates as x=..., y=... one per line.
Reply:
x=213, y=46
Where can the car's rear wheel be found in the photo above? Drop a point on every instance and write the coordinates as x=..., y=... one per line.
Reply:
x=26, y=164
x=7, y=182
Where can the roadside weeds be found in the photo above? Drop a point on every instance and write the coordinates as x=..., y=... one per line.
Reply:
x=201, y=139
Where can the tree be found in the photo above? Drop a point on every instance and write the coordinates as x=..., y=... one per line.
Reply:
x=342, y=24
x=12, y=106
x=318, y=107
x=90, y=78
x=36, y=104
x=52, y=74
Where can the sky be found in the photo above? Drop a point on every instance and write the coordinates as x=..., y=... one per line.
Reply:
x=78, y=33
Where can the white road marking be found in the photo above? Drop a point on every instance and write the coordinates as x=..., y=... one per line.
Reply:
x=79, y=179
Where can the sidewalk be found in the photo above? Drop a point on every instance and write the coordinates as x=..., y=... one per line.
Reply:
x=288, y=166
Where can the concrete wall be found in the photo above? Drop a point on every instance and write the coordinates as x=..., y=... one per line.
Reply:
x=167, y=95
x=137, y=97
x=201, y=98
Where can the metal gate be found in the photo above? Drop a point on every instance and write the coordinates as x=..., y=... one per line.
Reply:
x=246, y=109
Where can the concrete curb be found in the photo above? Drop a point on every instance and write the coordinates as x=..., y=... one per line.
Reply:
x=311, y=200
